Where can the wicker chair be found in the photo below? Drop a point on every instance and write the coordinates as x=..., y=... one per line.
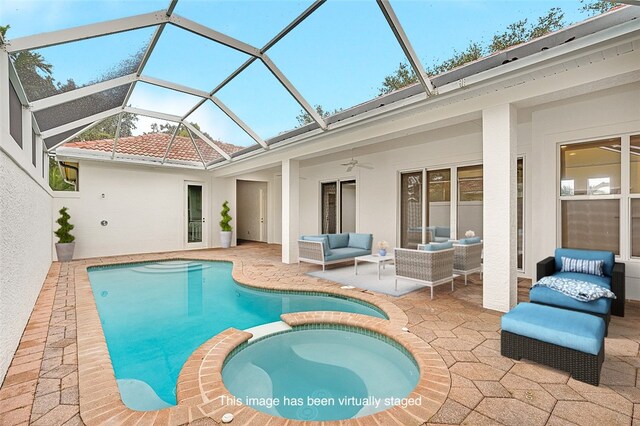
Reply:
x=431, y=268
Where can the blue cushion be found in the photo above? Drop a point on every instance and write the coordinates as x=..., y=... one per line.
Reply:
x=593, y=279
x=575, y=330
x=338, y=240
x=321, y=238
x=346, y=253
x=361, y=241
x=443, y=231
x=607, y=256
x=436, y=246
x=467, y=241
x=548, y=296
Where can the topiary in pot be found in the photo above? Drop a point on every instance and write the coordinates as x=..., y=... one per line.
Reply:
x=225, y=228
x=65, y=245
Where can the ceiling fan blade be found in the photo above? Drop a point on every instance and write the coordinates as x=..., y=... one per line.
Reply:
x=366, y=166
x=350, y=167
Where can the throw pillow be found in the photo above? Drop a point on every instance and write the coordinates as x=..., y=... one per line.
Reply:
x=583, y=266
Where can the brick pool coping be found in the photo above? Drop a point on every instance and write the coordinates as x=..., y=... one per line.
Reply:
x=199, y=381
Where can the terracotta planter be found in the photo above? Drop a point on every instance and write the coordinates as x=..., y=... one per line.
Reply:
x=65, y=251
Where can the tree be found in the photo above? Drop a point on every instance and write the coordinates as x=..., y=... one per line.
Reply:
x=64, y=232
x=305, y=118
x=521, y=31
x=597, y=7
x=403, y=76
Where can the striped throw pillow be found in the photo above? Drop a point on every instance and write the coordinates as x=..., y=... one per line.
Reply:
x=592, y=267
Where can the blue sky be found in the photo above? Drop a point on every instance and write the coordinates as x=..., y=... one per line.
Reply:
x=337, y=58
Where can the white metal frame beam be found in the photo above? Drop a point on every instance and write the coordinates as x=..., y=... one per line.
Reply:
x=150, y=48
x=62, y=142
x=79, y=123
x=207, y=140
x=173, y=86
x=84, y=32
x=153, y=114
x=403, y=40
x=173, y=138
x=214, y=35
x=195, y=145
x=239, y=121
x=81, y=92
x=293, y=91
x=117, y=136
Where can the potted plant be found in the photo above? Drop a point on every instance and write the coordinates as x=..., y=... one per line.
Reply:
x=382, y=248
x=65, y=244
x=225, y=228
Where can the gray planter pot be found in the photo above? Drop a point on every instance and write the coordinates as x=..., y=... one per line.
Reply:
x=65, y=251
x=225, y=239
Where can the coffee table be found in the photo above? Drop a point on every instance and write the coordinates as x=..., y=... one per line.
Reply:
x=373, y=258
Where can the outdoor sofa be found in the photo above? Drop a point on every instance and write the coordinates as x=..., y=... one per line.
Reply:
x=327, y=249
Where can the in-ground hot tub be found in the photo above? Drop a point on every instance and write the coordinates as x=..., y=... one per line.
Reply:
x=321, y=372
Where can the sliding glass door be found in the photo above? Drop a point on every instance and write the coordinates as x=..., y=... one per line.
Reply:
x=411, y=207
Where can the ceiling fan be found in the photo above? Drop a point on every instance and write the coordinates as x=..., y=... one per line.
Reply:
x=354, y=163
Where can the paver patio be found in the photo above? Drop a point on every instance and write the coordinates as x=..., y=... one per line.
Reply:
x=41, y=386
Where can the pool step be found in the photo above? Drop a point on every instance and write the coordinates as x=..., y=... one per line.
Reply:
x=265, y=329
x=171, y=266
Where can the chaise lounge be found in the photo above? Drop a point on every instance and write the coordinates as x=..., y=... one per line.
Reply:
x=327, y=249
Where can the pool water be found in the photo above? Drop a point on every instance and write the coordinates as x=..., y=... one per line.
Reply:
x=320, y=375
x=154, y=315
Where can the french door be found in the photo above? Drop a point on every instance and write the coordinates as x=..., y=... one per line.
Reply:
x=196, y=229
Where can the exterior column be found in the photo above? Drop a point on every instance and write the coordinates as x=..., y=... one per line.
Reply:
x=290, y=213
x=499, y=145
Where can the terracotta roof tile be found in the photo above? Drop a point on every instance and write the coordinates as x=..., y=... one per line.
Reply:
x=155, y=145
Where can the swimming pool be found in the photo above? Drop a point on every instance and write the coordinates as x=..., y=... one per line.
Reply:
x=321, y=374
x=154, y=315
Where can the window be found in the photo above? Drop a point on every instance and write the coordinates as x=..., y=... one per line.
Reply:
x=338, y=208
x=634, y=166
x=348, y=206
x=329, y=208
x=593, y=168
x=635, y=227
x=634, y=193
x=411, y=209
x=15, y=115
x=63, y=175
x=591, y=224
x=470, y=195
x=520, y=213
x=438, y=204
x=34, y=144
x=589, y=171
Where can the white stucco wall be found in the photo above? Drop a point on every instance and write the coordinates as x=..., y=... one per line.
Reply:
x=25, y=252
x=144, y=207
